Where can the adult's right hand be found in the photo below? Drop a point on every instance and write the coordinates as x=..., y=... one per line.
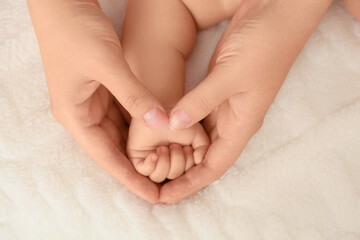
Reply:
x=248, y=67
x=85, y=68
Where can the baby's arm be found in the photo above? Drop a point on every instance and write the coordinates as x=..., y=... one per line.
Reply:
x=158, y=36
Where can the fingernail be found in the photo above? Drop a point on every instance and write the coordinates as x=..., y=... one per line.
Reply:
x=179, y=120
x=154, y=158
x=155, y=118
x=188, y=149
x=175, y=145
x=162, y=150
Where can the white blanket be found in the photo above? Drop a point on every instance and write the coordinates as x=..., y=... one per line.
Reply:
x=298, y=178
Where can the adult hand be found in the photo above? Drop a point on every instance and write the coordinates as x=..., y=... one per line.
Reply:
x=84, y=68
x=354, y=7
x=248, y=67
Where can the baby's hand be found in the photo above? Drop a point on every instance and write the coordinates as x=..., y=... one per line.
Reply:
x=162, y=154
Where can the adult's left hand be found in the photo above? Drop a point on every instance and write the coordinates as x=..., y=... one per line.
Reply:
x=248, y=68
x=89, y=81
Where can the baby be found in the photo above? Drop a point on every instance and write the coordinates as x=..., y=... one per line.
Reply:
x=158, y=36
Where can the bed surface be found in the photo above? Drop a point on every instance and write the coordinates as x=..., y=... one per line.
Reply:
x=298, y=178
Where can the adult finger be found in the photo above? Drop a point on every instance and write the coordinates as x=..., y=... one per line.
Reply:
x=258, y=44
x=213, y=90
x=133, y=95
x=99, y=146
x=200, y=101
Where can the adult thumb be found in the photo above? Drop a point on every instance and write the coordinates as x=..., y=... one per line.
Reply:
x=200, y=101
x=135, y=97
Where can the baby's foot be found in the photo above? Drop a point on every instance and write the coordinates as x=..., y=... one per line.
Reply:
x=162, y=154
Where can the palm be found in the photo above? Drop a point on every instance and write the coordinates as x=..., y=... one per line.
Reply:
x=97, y=105
x=99, y=127
x=225, y=125
x=100, y=109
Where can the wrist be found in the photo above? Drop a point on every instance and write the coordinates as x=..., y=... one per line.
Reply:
x=167, y=94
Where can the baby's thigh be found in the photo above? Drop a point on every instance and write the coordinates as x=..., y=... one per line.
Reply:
x=207, y=13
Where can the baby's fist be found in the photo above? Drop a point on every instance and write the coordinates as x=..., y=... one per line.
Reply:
x=162, y=154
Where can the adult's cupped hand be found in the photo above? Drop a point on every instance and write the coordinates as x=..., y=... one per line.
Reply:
x=85, y=70
x=248, y=67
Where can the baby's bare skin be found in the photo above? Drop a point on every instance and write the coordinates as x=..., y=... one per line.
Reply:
x=148, y=151
x=158, y=36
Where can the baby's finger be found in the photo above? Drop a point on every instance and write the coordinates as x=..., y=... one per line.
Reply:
x=145, y=166
x=200, y=144
x=149, y=164
x=189, y=158
x=199, y=154
x=163, y=165
x=177, y=161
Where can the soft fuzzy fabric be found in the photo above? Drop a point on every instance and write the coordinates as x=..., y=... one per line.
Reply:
x=298, y=178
